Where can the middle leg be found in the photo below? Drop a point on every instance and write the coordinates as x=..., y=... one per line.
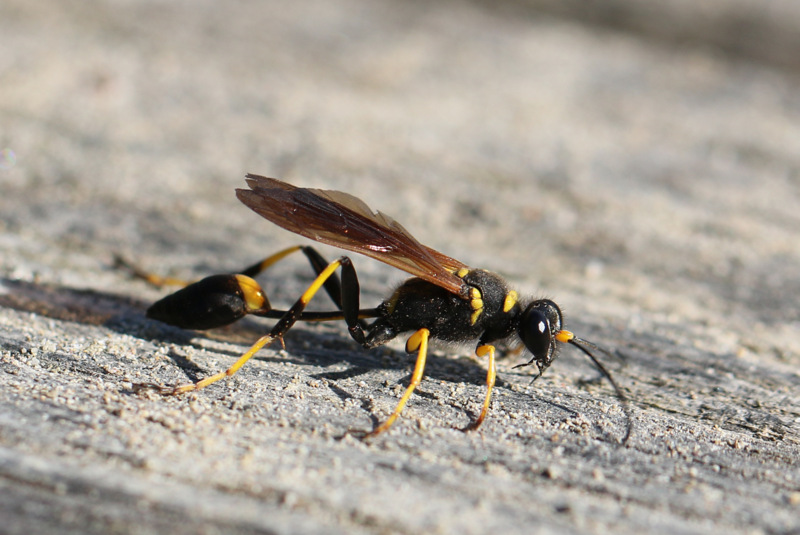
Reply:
x=417, y=342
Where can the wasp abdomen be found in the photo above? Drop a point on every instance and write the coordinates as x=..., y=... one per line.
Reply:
x=212, y=302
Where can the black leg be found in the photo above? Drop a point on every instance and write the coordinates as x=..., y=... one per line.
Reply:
x=332, y=286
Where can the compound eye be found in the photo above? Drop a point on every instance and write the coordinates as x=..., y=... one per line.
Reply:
x=536, y=334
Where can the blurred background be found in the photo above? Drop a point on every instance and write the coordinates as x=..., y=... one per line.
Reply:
x=552, y=141
x=639, y=162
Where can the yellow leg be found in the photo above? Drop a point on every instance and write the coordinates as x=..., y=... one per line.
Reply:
x=190, y=387
x=491, y=376
x=150, y=278
x=277, y=332
x=257, y=268
x=159, y=281
x=417, y=342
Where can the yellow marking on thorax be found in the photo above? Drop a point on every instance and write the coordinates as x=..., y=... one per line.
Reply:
x=475, y=297
x=391, y=303
x=476, y=302
x=511, y=299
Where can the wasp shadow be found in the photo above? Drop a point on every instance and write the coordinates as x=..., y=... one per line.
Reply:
x=320, y=348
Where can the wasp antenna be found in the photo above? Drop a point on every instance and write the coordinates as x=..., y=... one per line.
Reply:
x=580, y=343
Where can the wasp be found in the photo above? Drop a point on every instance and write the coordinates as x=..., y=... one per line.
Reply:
x=444, y=300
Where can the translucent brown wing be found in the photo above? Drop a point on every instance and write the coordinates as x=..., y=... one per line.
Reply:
x=344, y=221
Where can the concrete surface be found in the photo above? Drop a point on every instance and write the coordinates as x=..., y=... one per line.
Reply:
x=650, y=186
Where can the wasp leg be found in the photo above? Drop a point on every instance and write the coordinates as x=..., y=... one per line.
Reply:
x=491, y=375
x=159, y=281
x=263, y=265
x=285, y=323
x=345, y=293
x=151, y=278
x=417, y=342
x=333, y=286
x=219, y=300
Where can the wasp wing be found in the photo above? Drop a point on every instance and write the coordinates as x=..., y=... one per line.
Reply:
x=344, y=221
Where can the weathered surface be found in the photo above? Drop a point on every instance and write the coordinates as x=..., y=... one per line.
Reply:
x=651, y=190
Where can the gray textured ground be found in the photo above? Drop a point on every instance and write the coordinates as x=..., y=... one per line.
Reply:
x=651, y=186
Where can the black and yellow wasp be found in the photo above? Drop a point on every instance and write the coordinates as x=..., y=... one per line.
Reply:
x=445, y=300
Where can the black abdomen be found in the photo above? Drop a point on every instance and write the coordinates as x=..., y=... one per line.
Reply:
x=212, y=302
